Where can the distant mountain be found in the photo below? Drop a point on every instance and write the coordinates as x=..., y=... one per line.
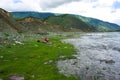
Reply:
x=49, y=22
x=70, y=21
x=28, y=24
x=37, y=25
x=98, y=24
x=43, y=22
x=19, y=15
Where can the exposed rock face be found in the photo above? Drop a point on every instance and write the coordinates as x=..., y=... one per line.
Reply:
x=9, y=24
x=2, y=11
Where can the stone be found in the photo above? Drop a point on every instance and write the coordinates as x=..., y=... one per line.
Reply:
x=16, y=77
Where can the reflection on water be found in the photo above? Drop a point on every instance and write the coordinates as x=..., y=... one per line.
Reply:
x=98, y=57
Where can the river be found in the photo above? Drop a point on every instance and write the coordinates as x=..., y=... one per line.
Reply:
x=97, y=58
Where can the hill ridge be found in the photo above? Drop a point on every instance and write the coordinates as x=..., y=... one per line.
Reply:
x=51, y=22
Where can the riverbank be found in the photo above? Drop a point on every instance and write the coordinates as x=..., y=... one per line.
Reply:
x=34, y=60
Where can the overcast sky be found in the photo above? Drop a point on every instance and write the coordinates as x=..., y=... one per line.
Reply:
x=106, y=10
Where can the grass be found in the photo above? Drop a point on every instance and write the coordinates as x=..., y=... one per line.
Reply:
x=35, y=60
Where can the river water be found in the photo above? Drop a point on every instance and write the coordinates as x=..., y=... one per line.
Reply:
x=97, y=58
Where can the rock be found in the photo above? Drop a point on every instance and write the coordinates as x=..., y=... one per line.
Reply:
x=1, y=79
x=62, y=56
x=18, y=42
x=48, y=62
x=117, y=49
x=107, y=61
x=16, y=77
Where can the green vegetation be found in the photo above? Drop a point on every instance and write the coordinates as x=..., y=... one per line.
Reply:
x=35, y=60
x=43, y=22
x=69, y=21
x=102, y=28
x=99, y=25
x=20, y=15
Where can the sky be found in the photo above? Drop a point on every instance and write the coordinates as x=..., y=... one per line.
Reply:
x=106, y=10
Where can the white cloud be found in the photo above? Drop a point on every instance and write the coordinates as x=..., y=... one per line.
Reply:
x=46, y=4
x=100, y=9
x=23, y=5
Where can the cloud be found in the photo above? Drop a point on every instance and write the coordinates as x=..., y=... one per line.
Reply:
x=46, y=4
x=100, y=9
x=32, y=5
x=20, y=5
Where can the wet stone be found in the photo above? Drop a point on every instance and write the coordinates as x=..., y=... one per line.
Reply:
x=109, y=61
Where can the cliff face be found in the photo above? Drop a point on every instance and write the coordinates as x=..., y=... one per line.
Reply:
x=7, y=23
x=3, y=12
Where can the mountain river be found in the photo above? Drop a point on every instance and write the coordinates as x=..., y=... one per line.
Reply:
x=97, y=57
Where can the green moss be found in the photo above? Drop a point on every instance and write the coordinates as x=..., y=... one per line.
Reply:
x=35, y=60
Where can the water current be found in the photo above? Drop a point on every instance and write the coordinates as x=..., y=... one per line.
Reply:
x=97, y=58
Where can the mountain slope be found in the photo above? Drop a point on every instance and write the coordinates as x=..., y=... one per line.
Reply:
x=34, y=25
x=7, y=23
x=98, y=24
x=38, y=25
x=68, y=21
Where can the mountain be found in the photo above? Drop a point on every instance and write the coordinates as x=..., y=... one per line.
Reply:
x=43, y=22
x=8, y=24
x=37, y=25
x=70, y=21
x=48, y=22
x=98, y=24
x=20, y=15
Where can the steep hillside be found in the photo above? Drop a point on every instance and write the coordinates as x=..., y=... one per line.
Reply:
x=69, y=21
x=38, y=25
x=9, y=24
x=34, y=24
x=98, y=24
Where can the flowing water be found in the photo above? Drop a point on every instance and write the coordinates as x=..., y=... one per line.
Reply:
x=97, y=58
